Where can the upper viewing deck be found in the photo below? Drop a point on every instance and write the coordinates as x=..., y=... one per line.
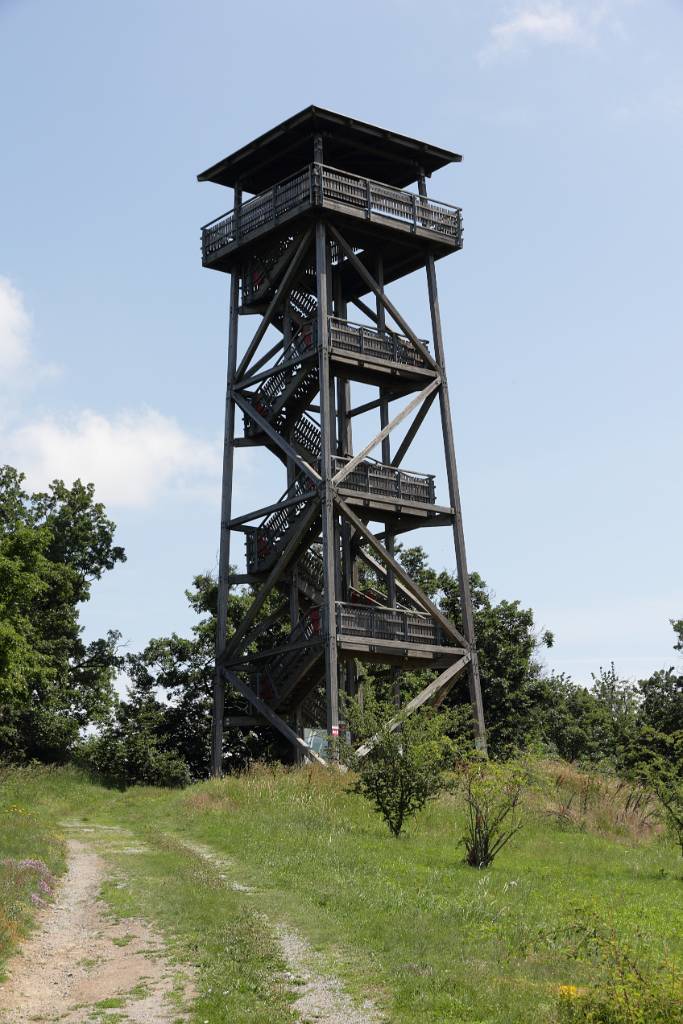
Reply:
x=354, y=170
x=336, y=190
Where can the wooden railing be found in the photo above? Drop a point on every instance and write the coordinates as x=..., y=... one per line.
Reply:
x=266, y=541
x=372, y=622
x=367, y=341
x=319, y=185
x=370, y=477
x=387, y=202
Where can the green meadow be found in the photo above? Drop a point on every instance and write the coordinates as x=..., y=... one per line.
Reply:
x=401, y=921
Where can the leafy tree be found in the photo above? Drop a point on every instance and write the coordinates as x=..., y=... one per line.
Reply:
x=405, y=765
x=53, y=546
x=167, y=710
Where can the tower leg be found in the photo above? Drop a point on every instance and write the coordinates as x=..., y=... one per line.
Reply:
x=454, y=498
x=224, y=550
x=328, y=513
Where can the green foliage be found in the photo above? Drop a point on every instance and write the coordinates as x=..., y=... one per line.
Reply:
x=53, y=546
x=660, y=768
x=492, y=794
x=631, y=989
x=405, y=766
x=160, y=734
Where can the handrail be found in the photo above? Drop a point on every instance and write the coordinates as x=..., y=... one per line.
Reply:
x=392, y=188
x=315, y=183
x=386, y=481
x=379, y=622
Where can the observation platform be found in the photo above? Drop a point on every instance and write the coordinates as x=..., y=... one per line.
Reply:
x=361, y=183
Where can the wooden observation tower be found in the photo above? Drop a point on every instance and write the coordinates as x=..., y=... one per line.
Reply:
x=329, y=223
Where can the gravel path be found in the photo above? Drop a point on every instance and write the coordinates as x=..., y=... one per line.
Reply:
x=78, y=958
x=321, y=997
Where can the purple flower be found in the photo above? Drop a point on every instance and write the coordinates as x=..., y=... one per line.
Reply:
x=34, y=865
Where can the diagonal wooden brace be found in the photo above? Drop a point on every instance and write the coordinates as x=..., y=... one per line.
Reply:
x=435, y=691
x=369, y=280
x=412, y=430
x=399, y=571
x=267, y=712
x=272, y=433
x=278, y=297
x=421, y=397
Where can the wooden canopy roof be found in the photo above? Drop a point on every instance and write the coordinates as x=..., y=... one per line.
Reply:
x=348, y=144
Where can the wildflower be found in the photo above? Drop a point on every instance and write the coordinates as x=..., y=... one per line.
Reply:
x=568, y=992
x=34, y=865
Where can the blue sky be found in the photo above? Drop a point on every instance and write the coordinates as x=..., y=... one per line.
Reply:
x=562, y=314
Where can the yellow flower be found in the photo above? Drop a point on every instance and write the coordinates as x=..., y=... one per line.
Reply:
x=568, y=992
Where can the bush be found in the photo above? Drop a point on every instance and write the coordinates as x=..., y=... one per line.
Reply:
x=633, y=990
x=492, y=795
x=405, y=765
x=135, y=760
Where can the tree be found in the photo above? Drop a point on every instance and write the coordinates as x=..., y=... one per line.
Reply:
x=405, y=766
x=160, y=733
x=53, y=546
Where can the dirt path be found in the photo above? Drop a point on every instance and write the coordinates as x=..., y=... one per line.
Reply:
x=321, y=997
x=81, y=966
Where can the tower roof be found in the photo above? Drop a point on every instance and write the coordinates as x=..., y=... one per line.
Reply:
x=348, y=144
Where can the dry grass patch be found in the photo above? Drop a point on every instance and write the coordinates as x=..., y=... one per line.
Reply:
x=600, y=803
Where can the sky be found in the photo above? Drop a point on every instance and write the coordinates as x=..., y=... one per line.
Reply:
x=562, y=314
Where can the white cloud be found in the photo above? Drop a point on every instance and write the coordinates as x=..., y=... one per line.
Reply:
x=551, y=23
x=15, y=325
x=133, y=458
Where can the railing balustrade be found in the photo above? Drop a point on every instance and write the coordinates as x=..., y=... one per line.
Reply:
x=372, y=622
x=367, y=341
x=267, y=540
x=321, y=185
x=370, y=477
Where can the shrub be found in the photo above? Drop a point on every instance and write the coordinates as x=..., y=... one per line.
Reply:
x=632, y=990
x=406, y=762
x=492, y=794
x=135, y=760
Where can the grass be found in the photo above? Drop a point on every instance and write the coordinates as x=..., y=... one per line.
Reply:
x=31, y=859
x=404, y=921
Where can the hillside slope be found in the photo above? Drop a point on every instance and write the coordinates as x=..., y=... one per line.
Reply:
x=402, y=923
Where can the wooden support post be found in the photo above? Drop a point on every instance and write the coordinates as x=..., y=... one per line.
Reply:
x=386, y=460
x=454, y=497
x=224, y=549
x=326, y=485
x=345, y=448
